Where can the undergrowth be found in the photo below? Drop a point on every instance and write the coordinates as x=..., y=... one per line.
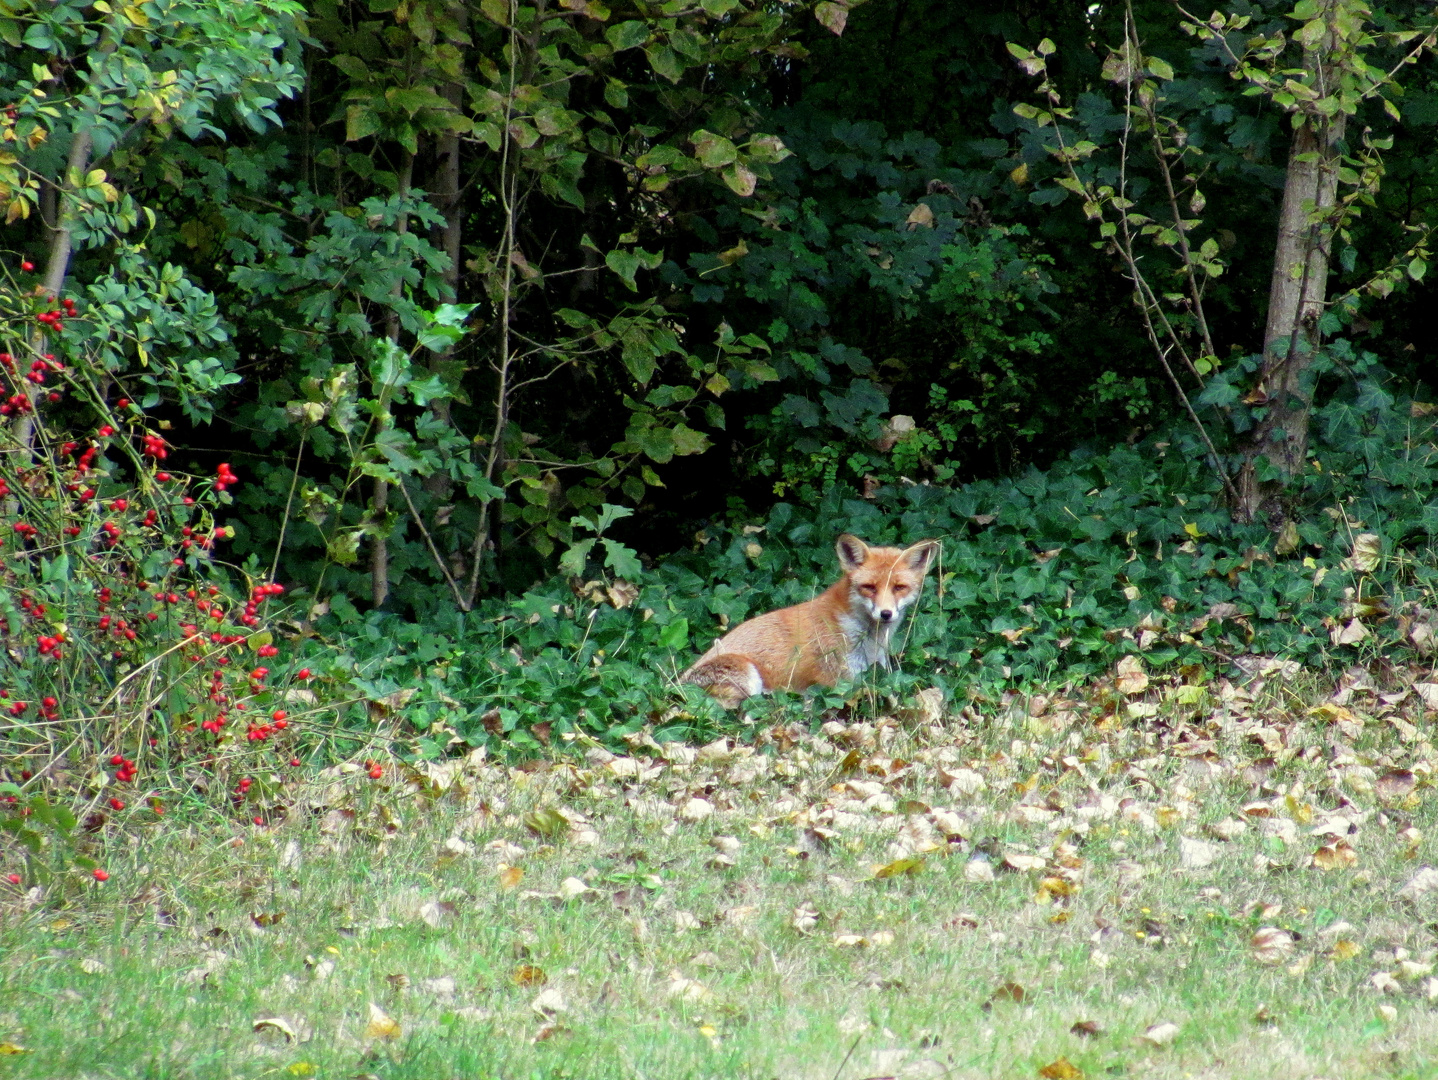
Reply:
x=1048, y=577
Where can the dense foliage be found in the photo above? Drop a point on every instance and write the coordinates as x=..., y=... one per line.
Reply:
x=544, y=341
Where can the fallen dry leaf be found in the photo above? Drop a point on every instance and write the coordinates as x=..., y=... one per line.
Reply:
x=1160, y=1034
x=510, y=876
x=529, y=975
x=1087, y=1029
x=1060, y=1069
x=1335, y=856
x=1129, y=676
x=1272, y=945
x=276, y=1025
x=381, y=1025
x=549, y=1002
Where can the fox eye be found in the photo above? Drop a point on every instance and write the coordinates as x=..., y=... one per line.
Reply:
x=901, y=588
x=868, y=590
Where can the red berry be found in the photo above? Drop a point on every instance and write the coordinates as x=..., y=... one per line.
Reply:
x=258, y=820
x=117, y=804
x=303, y=673
x=101, y=875
x=13, y=879
x=27, y=266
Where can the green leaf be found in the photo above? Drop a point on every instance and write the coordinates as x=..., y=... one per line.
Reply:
x=627, y=35
x=688, y=441
x=666, y=62
x=574, y=558
x=713, y=151
x=1160, y=69
x=10, y=33
x=360, y=122
x=676, y=635
x=741, y=179
x=623, y=560
x=625, y=264
x=495, y=11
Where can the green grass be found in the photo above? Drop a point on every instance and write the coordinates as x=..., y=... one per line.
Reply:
x=672, y=964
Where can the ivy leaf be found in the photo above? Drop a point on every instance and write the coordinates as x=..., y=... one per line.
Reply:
x=676, y=635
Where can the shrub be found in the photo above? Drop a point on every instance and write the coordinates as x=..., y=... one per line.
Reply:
x=130, y=654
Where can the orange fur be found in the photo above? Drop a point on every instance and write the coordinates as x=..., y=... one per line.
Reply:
x=841, y=632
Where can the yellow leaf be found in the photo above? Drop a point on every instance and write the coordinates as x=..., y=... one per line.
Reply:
x=136, y=15
x=11, y=1048
x=899, y=867
x=1060, y=1069
x=18, y=208
x=381, y=1025
x=1343, y=949
x=529, y=975
x=1193, y=530
x=1020, y=174
x=301, y=1068
x=275, y=1024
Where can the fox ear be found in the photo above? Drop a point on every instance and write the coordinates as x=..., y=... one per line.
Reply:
x=917, y=557
x=852, y=552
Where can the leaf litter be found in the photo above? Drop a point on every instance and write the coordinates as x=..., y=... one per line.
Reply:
x=1273, y=833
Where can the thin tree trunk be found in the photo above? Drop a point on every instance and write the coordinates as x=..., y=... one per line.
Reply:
x=379, y=550
x=1298, y=291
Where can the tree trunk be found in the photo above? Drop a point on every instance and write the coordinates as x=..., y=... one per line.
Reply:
x=379, y=550
x=1277, y=451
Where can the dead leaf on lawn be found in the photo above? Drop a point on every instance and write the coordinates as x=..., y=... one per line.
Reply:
x=1160, y=1034
x=1272, y=945
x=91, y=966
x=549, y=1002
x=1129, y=676
x=397, y=980
x=547, y=822
x=1061, y=1069
x=437, y=913
x=275, y=1026
x=1088, y=1029
x=1395, y=785
x=1424, y=881
x=529, y=975
x=1195, y=854
x=1338, y=855
x=381, y=1025
x=899, y=867
x=805, y=918
x=510, y=876
x=1009, y=991
x=1343, y=949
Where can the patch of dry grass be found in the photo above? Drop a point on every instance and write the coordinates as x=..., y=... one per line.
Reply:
x=1164, y=881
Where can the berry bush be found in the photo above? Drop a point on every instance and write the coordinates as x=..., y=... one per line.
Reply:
x=134, y=667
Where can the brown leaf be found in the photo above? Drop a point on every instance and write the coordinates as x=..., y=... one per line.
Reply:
x=510, y=876
x=1009, y=991
x=1088, y=1029
x=1338, y=855
x=529, y=975
x=1060, y=1069
x=1129, y=676
x=1394, y=785
x=1272, y=945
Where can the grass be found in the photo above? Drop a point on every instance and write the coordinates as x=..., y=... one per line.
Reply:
x=1113, y=858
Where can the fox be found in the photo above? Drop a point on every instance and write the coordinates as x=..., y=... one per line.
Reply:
x=843, y=631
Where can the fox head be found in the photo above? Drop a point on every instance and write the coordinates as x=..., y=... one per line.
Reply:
x=883, y=581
